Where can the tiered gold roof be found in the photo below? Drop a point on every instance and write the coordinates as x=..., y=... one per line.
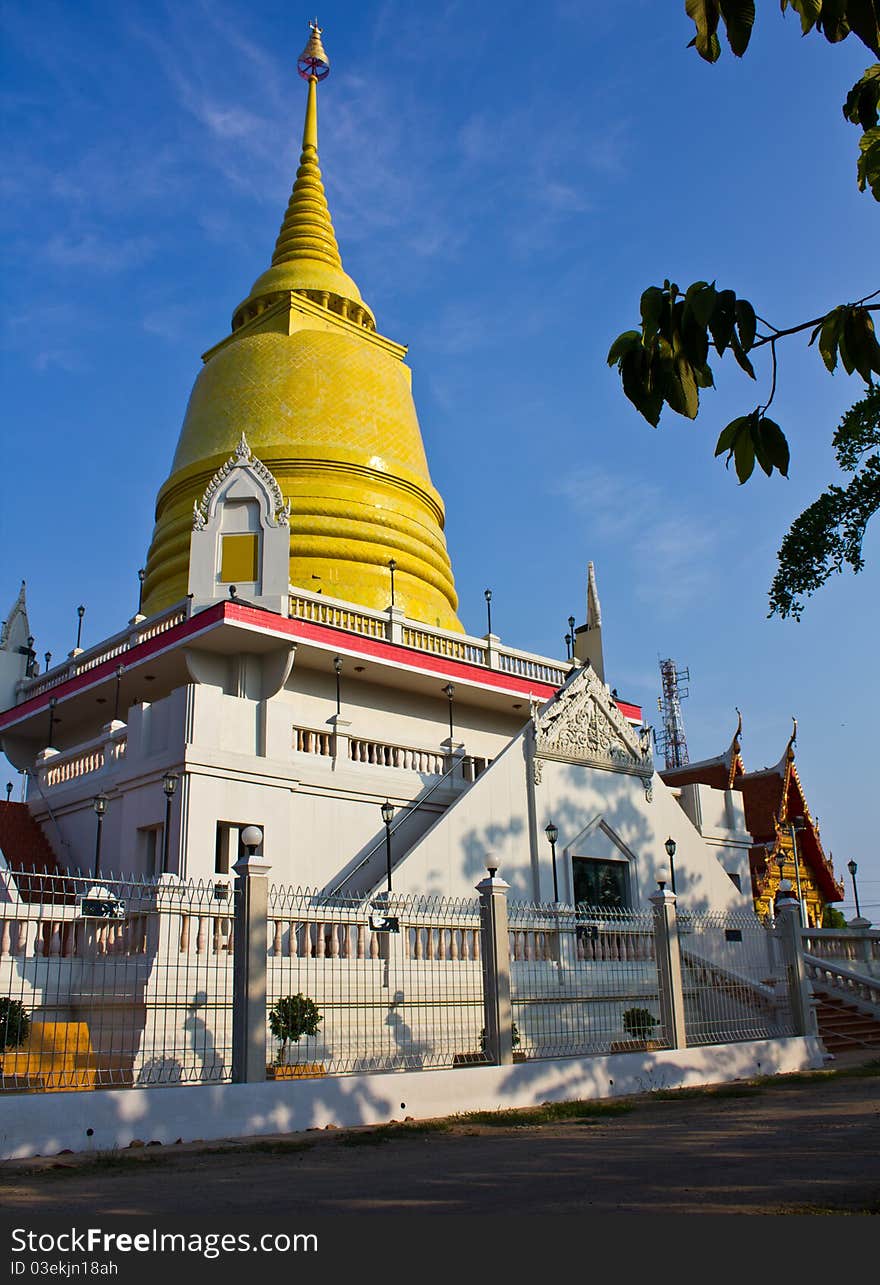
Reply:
x=326, y=403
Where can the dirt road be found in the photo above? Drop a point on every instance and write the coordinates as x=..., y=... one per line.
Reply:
x=799, y=1144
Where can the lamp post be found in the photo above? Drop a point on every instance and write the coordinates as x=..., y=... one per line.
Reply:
x=142, y=575
x=796, y=826
x=568, y=642
x=169, y=785
x=53, y=701
x=31, y=657
x=392, y=567
x=120, y=670
x=852, y=867
x=449, y=693
x=8, y=791
x=552, y=834
x=99, y=803
x=670, y=846
x=487, y=594
x=48, y=660
x=571, y=631
x=80, y=611
x=387, y=816
x=337, y=665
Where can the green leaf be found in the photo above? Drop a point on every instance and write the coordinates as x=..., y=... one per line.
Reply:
x=700, y=299
x=741, y=359
x=705, y=14
x=863, y=100
x=863, y=20
x=746, y=323
x=723, y=319
x=744, y=457
x=862, y=348
x=775, y=445
x=808, y=11
x=869, y=162
x=728, y=435
x=739, y=18
x=829, y=337
x=651, y=307
x=623, y=344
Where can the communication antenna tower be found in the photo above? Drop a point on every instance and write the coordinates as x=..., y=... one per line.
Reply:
x=672, y=739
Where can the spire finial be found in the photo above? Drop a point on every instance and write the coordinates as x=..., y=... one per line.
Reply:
x=313, y=63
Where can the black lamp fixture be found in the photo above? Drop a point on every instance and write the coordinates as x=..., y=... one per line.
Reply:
x=487, y=594
x=142, y=575
x=670, y=845
x=449, y=693
x=80, y=611
x=392, y=567
x=53, y=701
x=9, y=788
x=571, y=627
x=120, y=670
x=48, y=660
x=99, y=803
x=337, y=665
x=852, y=867
x=169, y=785
x=387, y=811
x=552, y=834
x=568, y=641
x=31, y=657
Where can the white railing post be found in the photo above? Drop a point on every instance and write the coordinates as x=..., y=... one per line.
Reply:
x=668, y=955
x=800, y=994
x=498, y=1016
x=249, y=968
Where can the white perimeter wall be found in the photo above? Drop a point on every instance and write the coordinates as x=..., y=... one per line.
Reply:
x=34, y=1124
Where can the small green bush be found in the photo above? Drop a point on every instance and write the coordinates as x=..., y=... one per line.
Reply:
x=639, y=1023
x=514, y=1037
x=291, y=1018
x=14, y=1024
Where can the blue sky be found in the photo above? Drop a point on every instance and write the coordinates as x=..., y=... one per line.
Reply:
x=503, y=187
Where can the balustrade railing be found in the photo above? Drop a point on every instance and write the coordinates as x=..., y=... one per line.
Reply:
x=382, y=754
x=90, y=657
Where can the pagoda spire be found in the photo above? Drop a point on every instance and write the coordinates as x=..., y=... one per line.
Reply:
x=306, y=258
x=307, y=230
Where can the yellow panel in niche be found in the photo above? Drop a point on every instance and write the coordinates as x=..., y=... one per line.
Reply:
x=239, y=559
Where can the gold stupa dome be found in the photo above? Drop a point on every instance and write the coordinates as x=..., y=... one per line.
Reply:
x=325, y=402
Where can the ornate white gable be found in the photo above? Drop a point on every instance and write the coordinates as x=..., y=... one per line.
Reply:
x=582, y=724
x=243, y=458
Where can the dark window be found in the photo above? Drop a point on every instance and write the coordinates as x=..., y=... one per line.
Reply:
x=601, y=883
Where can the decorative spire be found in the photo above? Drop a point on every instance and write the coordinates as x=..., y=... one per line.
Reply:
x=306, y=257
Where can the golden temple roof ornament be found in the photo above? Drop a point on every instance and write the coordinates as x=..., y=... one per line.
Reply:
x=313, y=61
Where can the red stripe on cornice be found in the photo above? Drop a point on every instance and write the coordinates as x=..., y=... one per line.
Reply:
x=395, y=653
x=283, y=627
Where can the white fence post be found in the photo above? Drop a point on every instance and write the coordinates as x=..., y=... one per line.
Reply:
x=667, y=951
x=800, y=995
x=498, y=1017
x=249, y=969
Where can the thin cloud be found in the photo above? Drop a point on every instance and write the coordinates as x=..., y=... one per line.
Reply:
x=673, y=565
x=99, y=254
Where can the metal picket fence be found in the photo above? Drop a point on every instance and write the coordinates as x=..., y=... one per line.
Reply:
x=113, y=982
x=733, y=979
x=121, y=982
x=407, y=999
x=582, y=980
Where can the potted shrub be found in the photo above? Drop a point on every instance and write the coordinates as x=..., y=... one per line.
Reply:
x=478, y=1059
x=639, y=1024
x=290, y=1019
x=15, y=1027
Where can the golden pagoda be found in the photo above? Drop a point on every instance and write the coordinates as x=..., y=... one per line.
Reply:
x=325, y=402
